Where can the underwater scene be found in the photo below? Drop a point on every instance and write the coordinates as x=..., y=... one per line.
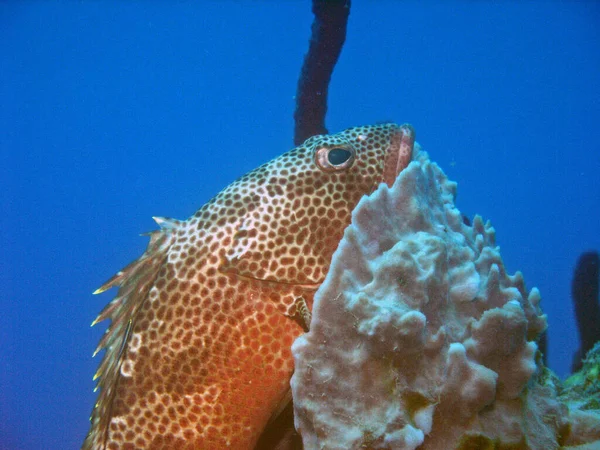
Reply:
x=393, y=249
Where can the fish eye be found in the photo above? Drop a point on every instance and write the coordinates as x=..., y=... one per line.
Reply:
x=337, y=156
x=334, y=158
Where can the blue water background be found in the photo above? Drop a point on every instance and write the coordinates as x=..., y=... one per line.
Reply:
x=112, y=112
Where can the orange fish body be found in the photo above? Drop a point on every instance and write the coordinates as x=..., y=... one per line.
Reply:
x=198, y=350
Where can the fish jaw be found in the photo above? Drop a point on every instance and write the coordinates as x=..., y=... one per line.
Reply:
x=399, y=153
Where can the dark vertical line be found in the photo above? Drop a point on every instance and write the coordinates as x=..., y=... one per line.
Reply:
x=584, y=290
x=328, y=33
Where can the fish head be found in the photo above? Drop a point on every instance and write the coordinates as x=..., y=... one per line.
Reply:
x=296, y=207
x=201, y=323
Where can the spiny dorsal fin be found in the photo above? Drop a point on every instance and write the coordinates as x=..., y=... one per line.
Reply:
x=135, y=282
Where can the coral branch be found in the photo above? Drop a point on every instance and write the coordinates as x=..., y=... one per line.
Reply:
x=584, y=290
x=328, y=36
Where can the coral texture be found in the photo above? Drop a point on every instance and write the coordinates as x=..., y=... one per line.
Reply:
x=581, y=394
x=419, y=337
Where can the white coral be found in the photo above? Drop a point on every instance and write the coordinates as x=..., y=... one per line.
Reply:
x=419, y=337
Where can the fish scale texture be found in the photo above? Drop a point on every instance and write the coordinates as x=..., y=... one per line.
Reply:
x=420, y=339
x=198, y=350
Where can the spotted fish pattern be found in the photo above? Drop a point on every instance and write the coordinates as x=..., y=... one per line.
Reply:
x=197, y=355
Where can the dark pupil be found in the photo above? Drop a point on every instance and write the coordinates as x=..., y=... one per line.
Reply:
x=337, y=156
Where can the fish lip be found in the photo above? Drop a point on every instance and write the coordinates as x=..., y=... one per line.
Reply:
x=399, y=153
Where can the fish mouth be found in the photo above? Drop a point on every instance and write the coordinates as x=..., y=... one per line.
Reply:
x=399, y=153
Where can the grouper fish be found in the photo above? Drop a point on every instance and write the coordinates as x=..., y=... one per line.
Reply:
x=197, y=355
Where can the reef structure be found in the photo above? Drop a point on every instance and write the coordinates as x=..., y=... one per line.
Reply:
x=328, y=34
x=584, y=292
x=420, y=339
